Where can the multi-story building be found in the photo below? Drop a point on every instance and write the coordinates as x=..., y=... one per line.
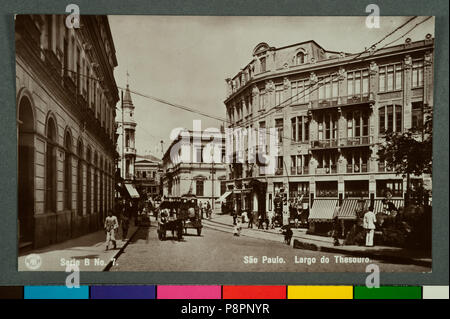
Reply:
x=330, y=110
x=186, y=170
x=66, y=98
x=148, y=175
x=126, y=145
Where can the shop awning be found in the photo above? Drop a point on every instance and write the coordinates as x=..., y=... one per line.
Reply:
x=349, y=208
x=323, y=209
x=379, y=206
x=132, y=191
x=224, y=196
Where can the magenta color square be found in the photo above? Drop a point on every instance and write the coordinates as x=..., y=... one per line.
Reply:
x=189, y=292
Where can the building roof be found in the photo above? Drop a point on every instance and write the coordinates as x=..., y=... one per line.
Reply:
x=147, y=159
x=127, y=102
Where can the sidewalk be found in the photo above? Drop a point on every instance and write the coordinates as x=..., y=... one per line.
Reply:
x=302, y=240
x=88, y=252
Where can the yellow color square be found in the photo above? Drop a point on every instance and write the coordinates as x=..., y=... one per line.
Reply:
x=320, y=292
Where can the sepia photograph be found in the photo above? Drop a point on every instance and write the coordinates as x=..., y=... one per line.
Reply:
x=167, y=143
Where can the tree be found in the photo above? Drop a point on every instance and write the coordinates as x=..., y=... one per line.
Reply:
x=409, y=152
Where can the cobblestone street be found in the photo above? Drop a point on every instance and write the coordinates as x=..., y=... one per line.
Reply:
x=220, y=251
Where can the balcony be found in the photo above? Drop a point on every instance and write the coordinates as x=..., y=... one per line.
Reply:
x=324, y=103
x=340, y=101
x=356, y=141
x=343, y=142
x=319, y=144
x=356, y=99
x=129, y=151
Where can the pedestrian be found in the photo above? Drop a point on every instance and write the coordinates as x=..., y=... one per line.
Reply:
x=111, y=224
x=250, y=219
x=208, y=210
x=369, y=226
x=125, y=225
x=288, y=234
x=202, y=209
x=260, y=221
x=237, y=229
x=336, y=230
x=233, y=213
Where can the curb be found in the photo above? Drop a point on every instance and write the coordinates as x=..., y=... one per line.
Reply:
x=267, y=232
x=389, y=258
x=119, y=252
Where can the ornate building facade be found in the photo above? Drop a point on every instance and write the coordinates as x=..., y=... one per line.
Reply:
x=148, y=176
x=330, y=110
x=186, y=171
x=66, y=98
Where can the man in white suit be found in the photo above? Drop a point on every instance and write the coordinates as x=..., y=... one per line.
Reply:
x=369, y=226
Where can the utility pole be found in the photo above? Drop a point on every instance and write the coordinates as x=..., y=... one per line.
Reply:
x=212, y=180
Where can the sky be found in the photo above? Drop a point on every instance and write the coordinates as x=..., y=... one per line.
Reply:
x=186, y=59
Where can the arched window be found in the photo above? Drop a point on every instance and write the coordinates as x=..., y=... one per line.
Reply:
x=80, y=179
x=96, y=183
x=50, y=167
x=102, y=199
x=88, y=181
x=68, y=171
x=300, y=58
x=25, y=172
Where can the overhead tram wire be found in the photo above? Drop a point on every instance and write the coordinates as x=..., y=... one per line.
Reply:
x=276, y=107
x=409, y=31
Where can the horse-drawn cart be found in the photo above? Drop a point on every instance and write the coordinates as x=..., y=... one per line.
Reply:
x=168, y=220
x=178, y=214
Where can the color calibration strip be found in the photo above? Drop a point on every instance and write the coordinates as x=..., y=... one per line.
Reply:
x=224, y=292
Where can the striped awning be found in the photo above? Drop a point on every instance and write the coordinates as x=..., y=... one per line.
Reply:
x=224, y=196
x=323, y=209
x=132, y=191
x=379, y=206
x=349, y=208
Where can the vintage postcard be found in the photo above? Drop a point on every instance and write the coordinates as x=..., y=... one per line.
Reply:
x=224, y=143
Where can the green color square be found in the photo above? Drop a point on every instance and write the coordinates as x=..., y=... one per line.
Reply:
x=388, y=292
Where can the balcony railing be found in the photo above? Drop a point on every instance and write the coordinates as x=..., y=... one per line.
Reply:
x=383, y=168
x=130, y=150
x=324, y=103
x=358, y=194
x=279, y=171
x=343, y=142
x=324, y=143
x=356, y=141
x=327, y=193
x=344, y=100
x=356, y=99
